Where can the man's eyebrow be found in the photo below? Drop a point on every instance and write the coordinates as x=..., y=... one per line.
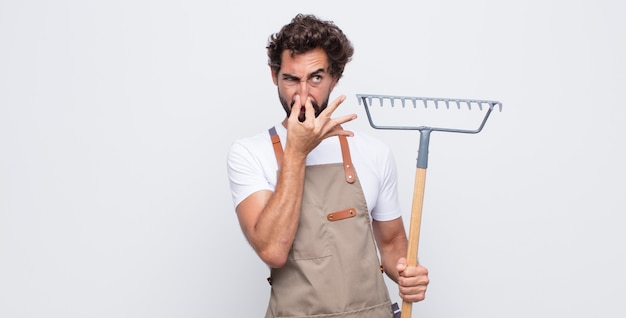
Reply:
x=290, y=76
x=316, y=72
x=320, y=70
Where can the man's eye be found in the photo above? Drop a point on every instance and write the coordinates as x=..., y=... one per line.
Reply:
x=290, y=80
x=316, y=79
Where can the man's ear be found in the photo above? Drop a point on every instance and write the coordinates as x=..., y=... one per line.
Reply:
x=274, y=76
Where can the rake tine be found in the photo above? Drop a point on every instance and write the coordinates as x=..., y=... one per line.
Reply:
x=392, y=100
x=414, y=102
x=447, y=104
x=403, y=101
x=425, y=104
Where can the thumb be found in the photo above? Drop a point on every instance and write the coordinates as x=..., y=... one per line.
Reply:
x=401, y=266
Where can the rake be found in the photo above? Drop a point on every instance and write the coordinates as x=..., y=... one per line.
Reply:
x=422, y=156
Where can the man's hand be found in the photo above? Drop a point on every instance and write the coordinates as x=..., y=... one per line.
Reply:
x=412, y=281
x=304, y=136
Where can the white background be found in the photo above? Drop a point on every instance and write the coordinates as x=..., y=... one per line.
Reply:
x=116, y=117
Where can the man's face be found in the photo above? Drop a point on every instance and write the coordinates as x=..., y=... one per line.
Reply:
x=305, y=75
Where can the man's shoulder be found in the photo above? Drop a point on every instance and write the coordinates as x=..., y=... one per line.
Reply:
x=259, y=139
x=251, y=148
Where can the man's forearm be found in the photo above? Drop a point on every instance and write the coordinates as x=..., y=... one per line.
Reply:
x=276, y=227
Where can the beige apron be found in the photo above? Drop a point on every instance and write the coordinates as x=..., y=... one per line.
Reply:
x=333, y=268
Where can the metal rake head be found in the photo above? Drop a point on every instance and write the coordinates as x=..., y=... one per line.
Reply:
x=426, y=102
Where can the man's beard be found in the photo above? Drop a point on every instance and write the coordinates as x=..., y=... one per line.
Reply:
x=288, y=106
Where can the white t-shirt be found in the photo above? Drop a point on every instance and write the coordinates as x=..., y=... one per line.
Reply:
x=252, y=167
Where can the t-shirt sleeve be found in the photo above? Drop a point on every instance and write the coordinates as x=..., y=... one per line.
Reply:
x=388, y=205
x=245, y=173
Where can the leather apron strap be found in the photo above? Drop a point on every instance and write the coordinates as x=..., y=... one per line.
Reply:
x=345, y=153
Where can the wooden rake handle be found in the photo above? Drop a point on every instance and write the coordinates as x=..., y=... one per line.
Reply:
x=414, y=229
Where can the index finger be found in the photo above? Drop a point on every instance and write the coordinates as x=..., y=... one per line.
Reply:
x=309, y=111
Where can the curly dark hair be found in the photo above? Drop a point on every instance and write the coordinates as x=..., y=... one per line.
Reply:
x=308, y=32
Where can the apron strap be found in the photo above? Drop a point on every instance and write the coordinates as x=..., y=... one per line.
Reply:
x=348, y=168
x=278, y=148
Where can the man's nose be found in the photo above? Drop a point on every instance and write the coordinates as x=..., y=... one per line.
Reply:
x=303, y=91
